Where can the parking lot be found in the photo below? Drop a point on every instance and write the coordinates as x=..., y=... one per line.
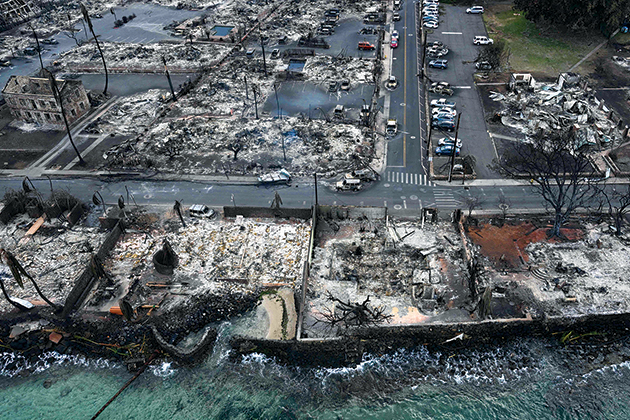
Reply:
x=457, y=30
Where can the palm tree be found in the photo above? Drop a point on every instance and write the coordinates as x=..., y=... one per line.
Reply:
x=18, y=271
x=86, y=17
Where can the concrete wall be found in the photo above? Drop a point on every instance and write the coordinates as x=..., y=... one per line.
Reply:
x=334, y=352
x=347, y=212
x=284, y=213
x=85, y=281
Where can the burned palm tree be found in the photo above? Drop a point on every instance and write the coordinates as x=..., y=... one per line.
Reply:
x=178, y=209
x=18, y=271
x=59, y=101
x=86, y=17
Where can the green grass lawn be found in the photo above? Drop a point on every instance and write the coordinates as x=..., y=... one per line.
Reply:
x=533, y=51
x=623, y=39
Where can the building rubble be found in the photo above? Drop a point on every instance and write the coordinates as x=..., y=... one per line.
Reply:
x=228, y=256
x=141, y=57
x=413, y=270
x=206, y=146
x=561, y=105
x=55, y=256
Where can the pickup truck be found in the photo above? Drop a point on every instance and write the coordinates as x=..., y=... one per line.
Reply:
x=280, y=177
x=348, y=184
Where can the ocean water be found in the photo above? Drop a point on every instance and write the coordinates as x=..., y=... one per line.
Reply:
x=522, y=379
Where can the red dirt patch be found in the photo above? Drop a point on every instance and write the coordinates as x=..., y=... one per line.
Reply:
x=505, y=246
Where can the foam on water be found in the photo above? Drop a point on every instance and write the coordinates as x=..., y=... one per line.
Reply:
x=12, y=364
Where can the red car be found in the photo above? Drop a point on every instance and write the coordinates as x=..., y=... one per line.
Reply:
x=394, y=43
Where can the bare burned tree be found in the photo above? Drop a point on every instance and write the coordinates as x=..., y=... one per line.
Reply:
x=178, y=209
x=558, y=171
x=617, y=201
x=235, y=146
x=472, y=201
x=497, y=54
x=353, y=314
x=474, y=275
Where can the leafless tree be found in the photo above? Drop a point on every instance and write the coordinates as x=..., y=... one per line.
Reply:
x=235, y=146
x=353, y=314
x=558, y=171
x=18, y=271
x=472, y=201
x=617, y=200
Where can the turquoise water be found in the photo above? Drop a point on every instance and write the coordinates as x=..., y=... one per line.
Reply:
x=528, y=379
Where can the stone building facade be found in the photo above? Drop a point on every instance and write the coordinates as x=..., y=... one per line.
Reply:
x=31, y=100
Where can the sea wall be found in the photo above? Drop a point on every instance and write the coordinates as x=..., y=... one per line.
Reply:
x=383, y=339
x=285, y=213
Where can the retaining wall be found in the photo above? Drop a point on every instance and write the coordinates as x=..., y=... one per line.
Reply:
x=85, y=281
x=337, y=351
x=347, y=212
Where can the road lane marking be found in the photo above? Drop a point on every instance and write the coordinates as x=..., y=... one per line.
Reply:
x=451, y=33
x=462, y=87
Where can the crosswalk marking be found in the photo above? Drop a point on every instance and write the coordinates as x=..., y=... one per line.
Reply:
x=407, y=178
x=444, y=199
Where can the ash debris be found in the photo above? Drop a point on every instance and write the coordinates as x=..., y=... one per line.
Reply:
x=568, y=103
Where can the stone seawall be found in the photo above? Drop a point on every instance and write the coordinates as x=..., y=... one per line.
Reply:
x=376, y=340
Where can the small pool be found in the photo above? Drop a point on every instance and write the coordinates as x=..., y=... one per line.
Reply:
x=218, y=30
x=296, y=65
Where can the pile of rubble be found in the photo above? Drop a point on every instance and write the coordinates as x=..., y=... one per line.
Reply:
x=209, y=146
x=323, y=69
x=586, y=276
x=552, y=107
x=131, y=116
x=413, y=271
x=138, y=57
x=241, y=254
x=54, y=256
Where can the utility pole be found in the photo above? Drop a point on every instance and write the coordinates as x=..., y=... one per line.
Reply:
x=316, y=201
x=284, y=152
x=58, y=99
x=39, y=50
x=168, y=76
x=246, y=90
x=255, y=100
x=450, y=172
x=262, y=44
x=277, y=100
x=89, y=22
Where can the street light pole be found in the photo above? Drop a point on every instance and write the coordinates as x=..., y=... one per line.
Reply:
x=450, y=172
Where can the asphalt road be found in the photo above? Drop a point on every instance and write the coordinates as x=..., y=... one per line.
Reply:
x=299, y=194
x=457, y=30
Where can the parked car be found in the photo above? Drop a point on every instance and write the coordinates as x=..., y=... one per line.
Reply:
x=446, y=150
x=482, y=40
x=394, y=43
x=280, y=177
x=339, y=111
x=450, y=111
x=364, y=45
x=430, y=18
x=325, y=31
x=201, y=210
x=431, y=24
x=392, y=127
x=50, y=41
x=333, y=86
x=392, y=82
x=396, y=17
x=395, y=34
x=442, y=115
x=365, y=112
x=444, y=124
x=447, y=140
x=475, y=10
x=437, y=52
x=436, y=44
x=345, y=85
x=442, y=88
x=250, y=53
x=365, y=175
x=30, y=50
x=442, y=102
x=483, y=65
x=438, y=64
x=275, y=53
x=348, y=184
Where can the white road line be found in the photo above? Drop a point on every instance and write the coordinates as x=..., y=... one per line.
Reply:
x=462, y=87
x=384, y=203
x=451, y=33
x=389, y=174
x=407, y=178
x=405, y=203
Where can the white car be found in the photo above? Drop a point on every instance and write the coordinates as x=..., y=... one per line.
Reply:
x=447, y=140
x=442, y=102
x=442, y=110
x=427, y=2
x=430, y=25
x=395, y=34
x=482, y=40
x=475, y=10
